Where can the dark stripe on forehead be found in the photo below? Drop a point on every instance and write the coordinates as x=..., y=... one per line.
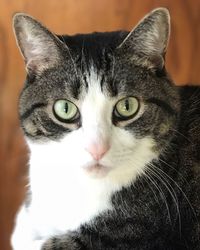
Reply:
x=26, y=114
x=75, y=89
x=85, y=81
x=108, y=62
x=102, y=82
x=162, y=104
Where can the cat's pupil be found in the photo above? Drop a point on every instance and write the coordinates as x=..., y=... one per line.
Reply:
x=66, y=108
x=127, y=104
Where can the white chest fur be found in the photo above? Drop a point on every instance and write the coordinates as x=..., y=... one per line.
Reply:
x=62, y=201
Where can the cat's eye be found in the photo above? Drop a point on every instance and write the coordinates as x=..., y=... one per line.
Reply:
x=126, y=108
x=65, y=110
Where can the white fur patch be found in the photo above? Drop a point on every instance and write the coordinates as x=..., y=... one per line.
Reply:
x=64, y=195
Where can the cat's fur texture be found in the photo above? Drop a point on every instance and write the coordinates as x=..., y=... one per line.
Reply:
x=101, y=181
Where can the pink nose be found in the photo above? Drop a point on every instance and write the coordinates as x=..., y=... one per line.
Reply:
x=97, y=151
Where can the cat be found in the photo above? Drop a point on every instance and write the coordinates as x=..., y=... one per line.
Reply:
x=114, y=144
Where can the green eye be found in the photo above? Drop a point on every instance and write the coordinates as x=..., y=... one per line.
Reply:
x=127, y=107
x=65, y=110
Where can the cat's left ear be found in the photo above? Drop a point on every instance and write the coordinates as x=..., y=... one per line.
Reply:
x=146, y=44
x=40, y=48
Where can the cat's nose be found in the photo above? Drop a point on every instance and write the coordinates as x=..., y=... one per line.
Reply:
x=97, y=151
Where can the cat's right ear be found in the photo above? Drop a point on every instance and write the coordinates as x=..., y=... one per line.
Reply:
x=146, y=44
x=39, y=47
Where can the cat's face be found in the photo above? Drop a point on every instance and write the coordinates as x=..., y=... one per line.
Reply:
x=100, y=105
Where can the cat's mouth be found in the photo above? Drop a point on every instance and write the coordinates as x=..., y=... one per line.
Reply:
x=96, y=170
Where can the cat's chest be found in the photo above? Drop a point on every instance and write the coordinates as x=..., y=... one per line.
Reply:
x=63, y=201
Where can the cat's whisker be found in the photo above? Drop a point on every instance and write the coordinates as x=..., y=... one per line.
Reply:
x=162, y=195
x=122, y=155
x=145, y=174
x=174, y=169
x=170, y=189
x=74, y=64
x=70, y=55
x=180, y=189
x=62, y=37
x=179, y=133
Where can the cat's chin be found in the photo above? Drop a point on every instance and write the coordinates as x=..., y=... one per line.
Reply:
x=96, y=170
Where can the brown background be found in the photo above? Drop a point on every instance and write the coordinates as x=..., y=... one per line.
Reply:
x=76, y=16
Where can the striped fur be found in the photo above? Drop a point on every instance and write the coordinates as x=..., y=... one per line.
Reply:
x=143, y=193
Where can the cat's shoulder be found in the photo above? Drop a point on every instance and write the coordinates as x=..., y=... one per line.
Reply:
x=190, y=103
x=190, y=95
x=190, y=120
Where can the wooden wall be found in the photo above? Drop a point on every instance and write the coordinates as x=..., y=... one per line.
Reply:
x=76, y=16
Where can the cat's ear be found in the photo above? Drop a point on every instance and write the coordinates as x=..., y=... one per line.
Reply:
x=146, y=44
x=39, y=47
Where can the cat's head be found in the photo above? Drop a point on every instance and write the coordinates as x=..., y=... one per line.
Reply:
x=101, y=104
